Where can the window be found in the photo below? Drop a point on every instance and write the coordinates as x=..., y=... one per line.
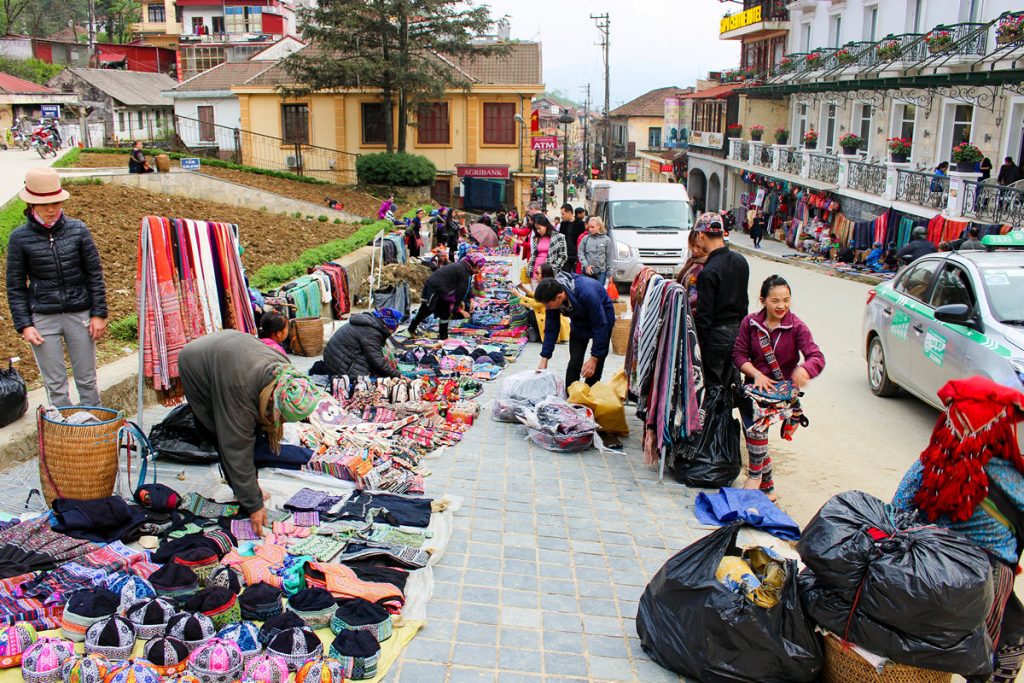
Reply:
x=805, y=37
x=871, y=24
x=915, y=12
x=158, y=116
x=432, y=124
x=499, y=123
x=952, y=287
x=206, y=124
x=243, y=19
x=197, y=26
x=156, y=14
x=218, y=24
x=915, y=283
x=801, y=122
x=142, y=122
x=862, y=125
x=835, y=30
x=905, y=124
x=962, y=115
x=374, y=130
x=295, y=123
x=120, y=121
x=970, y=10
x=654, y=138
x=830, y=126
x=196, y=59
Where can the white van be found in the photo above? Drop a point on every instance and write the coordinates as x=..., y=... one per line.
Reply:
x=650, y=224
x=551, y=174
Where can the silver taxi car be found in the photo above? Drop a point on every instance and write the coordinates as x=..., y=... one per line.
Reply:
x=948, y=316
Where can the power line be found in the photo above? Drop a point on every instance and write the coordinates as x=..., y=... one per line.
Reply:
x=604, y=26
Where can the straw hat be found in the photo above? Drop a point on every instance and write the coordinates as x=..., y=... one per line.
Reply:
x=42, y=186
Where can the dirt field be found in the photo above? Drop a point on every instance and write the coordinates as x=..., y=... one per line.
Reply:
x=355, y=202
x=113, y=214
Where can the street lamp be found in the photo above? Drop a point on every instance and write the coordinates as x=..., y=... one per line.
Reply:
x=565, y=119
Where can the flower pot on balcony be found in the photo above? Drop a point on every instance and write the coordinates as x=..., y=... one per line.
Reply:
x=899, y=158
x=810, y=145
x=756, y=135
x=966, y=166
x=850, y=151
x=939, y=47
x=1008, y=38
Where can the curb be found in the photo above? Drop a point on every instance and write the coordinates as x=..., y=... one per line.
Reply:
x=863, y=279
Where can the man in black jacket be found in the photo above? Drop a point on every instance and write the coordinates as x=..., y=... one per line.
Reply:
x=447, y=293
x=721, y=301
x=357, y=348
x=55, y=289
x=572, y=232
x=917, y=247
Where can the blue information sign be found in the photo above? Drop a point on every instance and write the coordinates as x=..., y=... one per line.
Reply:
x=190, y=163
x=50, y=111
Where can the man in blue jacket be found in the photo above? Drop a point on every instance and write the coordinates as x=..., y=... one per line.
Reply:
x=590, y=310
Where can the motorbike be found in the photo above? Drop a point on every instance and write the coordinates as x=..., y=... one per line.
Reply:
x=19, y=137
x=43, y=144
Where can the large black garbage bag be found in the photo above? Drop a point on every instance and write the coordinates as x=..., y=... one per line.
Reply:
x=690, y=623
x=914, y=592
x=177, y=438
x=13, y=395
x=711, y=458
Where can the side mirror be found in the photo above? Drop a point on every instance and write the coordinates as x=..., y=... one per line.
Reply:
x=955, y=314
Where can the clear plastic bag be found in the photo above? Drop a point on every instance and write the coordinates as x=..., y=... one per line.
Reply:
x=525, y=390
x=559, y=426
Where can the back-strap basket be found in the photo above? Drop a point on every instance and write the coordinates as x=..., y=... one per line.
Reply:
x=79, y=460
x=844, y=665
x=620, y=335
x=308, y=336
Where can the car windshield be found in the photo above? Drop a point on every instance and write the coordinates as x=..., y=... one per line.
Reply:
x=1003, y=287
x=639, y=214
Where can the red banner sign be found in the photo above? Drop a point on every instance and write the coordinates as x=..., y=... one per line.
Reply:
x=535, y=122
x=494, y=171
x=666, y=168
x=544, y=143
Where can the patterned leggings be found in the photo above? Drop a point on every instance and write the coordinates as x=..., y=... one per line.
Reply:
x=760, y=462
x=1005, y=624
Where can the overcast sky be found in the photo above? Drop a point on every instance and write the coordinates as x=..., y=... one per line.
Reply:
x=654, y=43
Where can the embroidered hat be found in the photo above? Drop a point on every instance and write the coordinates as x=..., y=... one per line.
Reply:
x=709, y=221
x=267, y=669
x=113, y=637
x=218, y=661
x=168, y=655
x=390, y=317
x=246, y=635
x=192, y=629
x=281, y=622
x=42, y=186
x=359, y=653
x=84, y=608
x=85, y=669
x=42, y=661
x=323, y=670
x=157, y=497
x=316, y=606
x=14, y=640
x=174, y=581
x=476, y=261
x=295, y=646
x=183, y=678
x=200, y=560
x=226, y=577
x=150, y=617
x=358, y=614
x=295, y=395
x=220, y=604
x=131, y=589
x=135, y=671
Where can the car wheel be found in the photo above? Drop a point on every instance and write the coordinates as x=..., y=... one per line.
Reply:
x=878, y=374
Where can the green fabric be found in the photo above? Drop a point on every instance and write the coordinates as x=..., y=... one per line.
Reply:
x=306, y=295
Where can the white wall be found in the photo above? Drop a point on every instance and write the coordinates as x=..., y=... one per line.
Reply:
x=226, y=112
x=207, y=13
x=150, y=128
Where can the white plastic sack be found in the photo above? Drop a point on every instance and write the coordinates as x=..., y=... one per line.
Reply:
x=524, y=390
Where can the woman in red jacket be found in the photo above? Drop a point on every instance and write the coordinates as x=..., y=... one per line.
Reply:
x=767, y=352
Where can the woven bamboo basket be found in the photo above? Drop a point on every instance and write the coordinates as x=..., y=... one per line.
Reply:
x=620, y=336
x=163, y=163
x=308, y=336
x=620, y=307
x=846, y=666
x=79, y=461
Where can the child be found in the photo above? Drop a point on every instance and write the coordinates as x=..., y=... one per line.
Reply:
x=274, y=330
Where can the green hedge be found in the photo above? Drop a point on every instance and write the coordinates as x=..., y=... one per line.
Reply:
x=69, y=159
x=397, y=169
x=216, y=163
x=11, y=216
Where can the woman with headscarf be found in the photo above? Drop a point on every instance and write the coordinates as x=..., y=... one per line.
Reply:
x=357, y=348
x=447, y=293
x=237, y=386
x=690, y=271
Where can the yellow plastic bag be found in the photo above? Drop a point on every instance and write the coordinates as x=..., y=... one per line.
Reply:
x=620, y=385
x=608, y=409
x=524, y=277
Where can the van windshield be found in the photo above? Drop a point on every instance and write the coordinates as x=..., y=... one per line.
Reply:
x=642, y=214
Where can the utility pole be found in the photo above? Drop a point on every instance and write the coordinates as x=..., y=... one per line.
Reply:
x=604, y=26
x=586, y=135
x=92, y=34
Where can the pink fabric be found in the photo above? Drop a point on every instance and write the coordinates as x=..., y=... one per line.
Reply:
x=274, y=345
x=543, y=245
x=791, y=339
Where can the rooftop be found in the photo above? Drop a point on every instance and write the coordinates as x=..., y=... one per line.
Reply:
x=651, y=103
x=131, y=88
x=223, y=76
x=18, y=86
x=716, y=93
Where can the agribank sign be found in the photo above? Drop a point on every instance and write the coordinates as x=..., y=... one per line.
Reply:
x=481, y=171
x=735, y=21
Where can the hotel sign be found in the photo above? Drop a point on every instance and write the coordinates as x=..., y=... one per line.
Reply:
x=735, y=21
x=702, y=138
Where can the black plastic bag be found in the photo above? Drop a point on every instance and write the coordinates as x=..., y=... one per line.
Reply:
x=711, y=458
x=178, y=438
x=689, y=623
x=13, y=395
x=914, y=592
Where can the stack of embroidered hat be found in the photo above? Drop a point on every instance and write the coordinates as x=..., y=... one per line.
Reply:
x=217, y=661
x=175, y=582
x=130, y=588
x=282, y=622
x=260, y=602
x=322, y=670
x=316, y=606
x=296, y=646
x=358, y=614
x=359, y=652
x=191, y=629
x=246, y=635
x=14, y=640
x=43, y=660
x=84, y=608
x=85, y=669
x=168, y=655
x=200, y=560
x=150, y=617
x=113, y=637
x=220, y=604
x=267, y=669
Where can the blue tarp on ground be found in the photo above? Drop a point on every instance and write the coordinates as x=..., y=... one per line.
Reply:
x=747, y=506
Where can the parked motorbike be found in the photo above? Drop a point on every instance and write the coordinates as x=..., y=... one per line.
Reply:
x=43, y=144
x=19, y=137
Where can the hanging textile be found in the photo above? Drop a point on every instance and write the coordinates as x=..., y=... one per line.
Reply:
x=305, y=294
x=195, y=285
x=341, y=300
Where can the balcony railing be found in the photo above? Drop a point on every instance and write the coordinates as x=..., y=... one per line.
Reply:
x=763, y=156
x=923, y=189
x=994, y=203
x=824, y=168
x=867, y=177
x=789, y=161
x=851, y=55
x=739, y=150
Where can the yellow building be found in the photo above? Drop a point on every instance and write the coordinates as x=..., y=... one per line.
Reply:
x=479, y=133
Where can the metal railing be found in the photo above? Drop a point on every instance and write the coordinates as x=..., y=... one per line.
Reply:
x=867, y=177
x=994, y=203
x=789, y=161
x=923, y=189
x=739, y=150
x=824, y=168
x=763, y=156
x=849, y=55
x=205, y=139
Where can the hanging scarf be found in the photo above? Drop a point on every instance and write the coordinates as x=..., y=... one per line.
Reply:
x=980, y=422
x=40, y=221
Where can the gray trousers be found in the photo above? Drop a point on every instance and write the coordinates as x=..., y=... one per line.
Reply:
x=71, y=330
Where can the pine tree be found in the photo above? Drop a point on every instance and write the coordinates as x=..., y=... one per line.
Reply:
x=405, y=48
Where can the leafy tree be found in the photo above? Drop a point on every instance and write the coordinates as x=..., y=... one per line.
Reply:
x=33, y=69
x=43, y=18
x=118, y=17
x=392, y=45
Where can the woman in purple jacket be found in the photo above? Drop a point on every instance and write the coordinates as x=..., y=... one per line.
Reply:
x=767, y=352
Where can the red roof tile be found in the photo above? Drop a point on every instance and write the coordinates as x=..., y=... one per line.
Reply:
x=716, y=93
x=19, y=86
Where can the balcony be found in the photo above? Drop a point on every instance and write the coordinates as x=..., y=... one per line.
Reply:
x=763, y=20
x=739, y=150
x=923, y=189
x=789, y=161
x=866, y=177
x=157, y=28
x=992, y=203
x=824, y=168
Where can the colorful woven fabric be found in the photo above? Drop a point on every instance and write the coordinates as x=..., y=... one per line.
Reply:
x=218, y=661
x=14, y=640
x=260, y=566
x=42, y=661
x=359, y=653
x=306, y=519
x=360, y=615
x=323, y=548
x=295, y=395
x=323, y=670
x=342, y=582
x=203, y=507
x=85, y=669
x=267, y=669
x=243, y=531
x=134, y=671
